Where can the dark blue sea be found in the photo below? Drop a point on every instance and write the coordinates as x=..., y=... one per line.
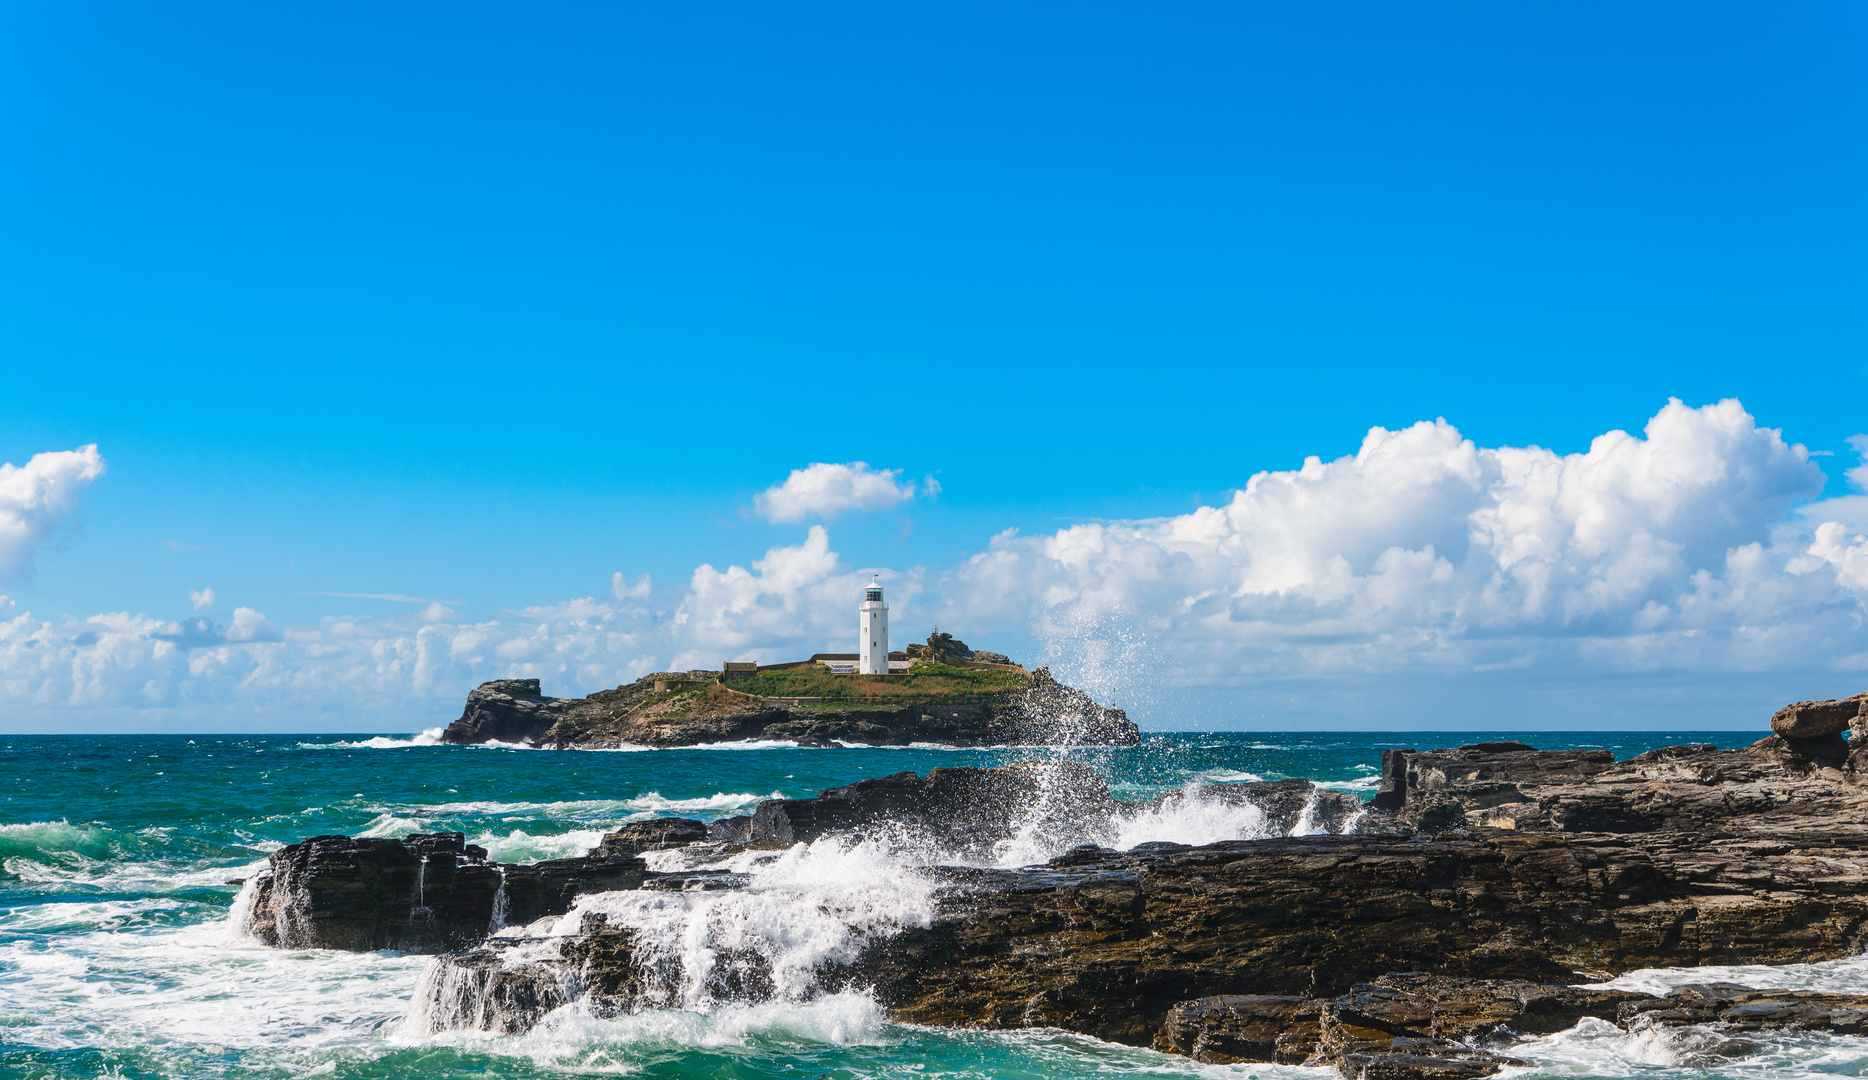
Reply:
x=118, y=857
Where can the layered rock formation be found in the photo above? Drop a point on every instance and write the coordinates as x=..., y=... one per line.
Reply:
x=1429, y=1027
x=424, y=894
x=686, y=709
x=1118, y=945
x=1485, y=886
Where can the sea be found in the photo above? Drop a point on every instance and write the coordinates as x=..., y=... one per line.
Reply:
x=121, y=953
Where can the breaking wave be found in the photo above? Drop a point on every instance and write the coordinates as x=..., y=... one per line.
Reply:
x=428, y=737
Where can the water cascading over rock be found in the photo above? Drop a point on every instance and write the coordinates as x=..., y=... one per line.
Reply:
x=825, y=894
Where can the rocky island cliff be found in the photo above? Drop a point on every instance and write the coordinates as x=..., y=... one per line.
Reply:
x=1471, y=903
x=954, y=704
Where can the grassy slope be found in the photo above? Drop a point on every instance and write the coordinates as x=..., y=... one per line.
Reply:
x=925, y=684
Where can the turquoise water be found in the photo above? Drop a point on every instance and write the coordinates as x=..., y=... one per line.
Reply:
x=117, y=857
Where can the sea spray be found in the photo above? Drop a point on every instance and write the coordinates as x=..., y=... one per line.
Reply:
x=1191, y=816
x=239, y=924
x=120, y=963
x=1307, y=818
x=812, y=906
x=797, y=916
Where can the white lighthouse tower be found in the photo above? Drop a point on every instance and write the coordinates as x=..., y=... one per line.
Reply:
x=872, y=648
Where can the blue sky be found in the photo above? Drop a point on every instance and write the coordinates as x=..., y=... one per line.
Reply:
x=484, y=305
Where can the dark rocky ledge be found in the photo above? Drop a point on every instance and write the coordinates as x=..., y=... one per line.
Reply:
x=1012, y=707
x=1488, y=885
x=427, y=893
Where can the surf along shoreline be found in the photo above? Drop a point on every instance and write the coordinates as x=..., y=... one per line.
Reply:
x=1483, y=889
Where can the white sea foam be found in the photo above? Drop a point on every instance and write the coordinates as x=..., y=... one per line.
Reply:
x=722, y=802
x=427, y=737
x=1597, y=1048
x=518, y=846
x=641, y=806
x=87, y=916
x=1189, y=816
x=813, y=905
x=124, y=989
x=1848, y=975
x=57, y=856
x=1356, y=786
x=573, y=1040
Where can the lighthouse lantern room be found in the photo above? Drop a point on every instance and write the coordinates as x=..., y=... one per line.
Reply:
x=872, y=647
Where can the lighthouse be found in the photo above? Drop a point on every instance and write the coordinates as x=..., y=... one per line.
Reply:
x=872, y=646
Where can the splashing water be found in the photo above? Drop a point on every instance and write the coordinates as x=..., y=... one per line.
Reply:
x=814, y=905
x=1192, y=818
x=121, y=950
x=501, y=905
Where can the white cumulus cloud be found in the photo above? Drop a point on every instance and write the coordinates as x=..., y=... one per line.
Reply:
x=1692, y=550
x=1423, y=550
x=202, y=600
x=796, y=600
x=624, y=589
x=37, y=499
x=826, y=490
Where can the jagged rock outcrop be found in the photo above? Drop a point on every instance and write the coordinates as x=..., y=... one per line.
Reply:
x=1110, y=944
x=535, y=890
x=1052, y=713
x=1816, y=719
x=1748, y=1009
x=1230, y=1028
x=658, y=834
x=1484, y=883
x=505, y=710
x=1422, y=1026
x=1510, y=785
x=424, y=894
x=965, y=807
x=689, y=710
x=427, y=893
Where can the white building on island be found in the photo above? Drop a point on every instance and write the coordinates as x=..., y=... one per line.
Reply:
x=872, y=642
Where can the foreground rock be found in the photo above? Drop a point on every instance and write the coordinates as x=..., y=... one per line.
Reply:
x=427, y=893
x=693, y=708
x=1818, y=719
x=1486, y=883
x=1702, y=789
x=434, y=892
x=963, y=809
x=1430, y=1027
x=1109, y=944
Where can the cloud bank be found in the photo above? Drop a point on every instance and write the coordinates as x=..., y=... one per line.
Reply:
x=797, y=599
x=1692, y=549
x=1423, y=550
x=38, y=499
x=824, y=490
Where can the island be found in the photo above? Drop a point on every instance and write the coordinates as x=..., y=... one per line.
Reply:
x=947, y=698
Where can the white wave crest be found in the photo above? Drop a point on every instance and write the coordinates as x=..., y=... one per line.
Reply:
x=1848, y=975
x=427, y=737
x=653, y=802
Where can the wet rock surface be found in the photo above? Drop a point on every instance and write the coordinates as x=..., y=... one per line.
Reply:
x=1109, y=946
x=1419, y=937
x=961, y=808
x=424, y=894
